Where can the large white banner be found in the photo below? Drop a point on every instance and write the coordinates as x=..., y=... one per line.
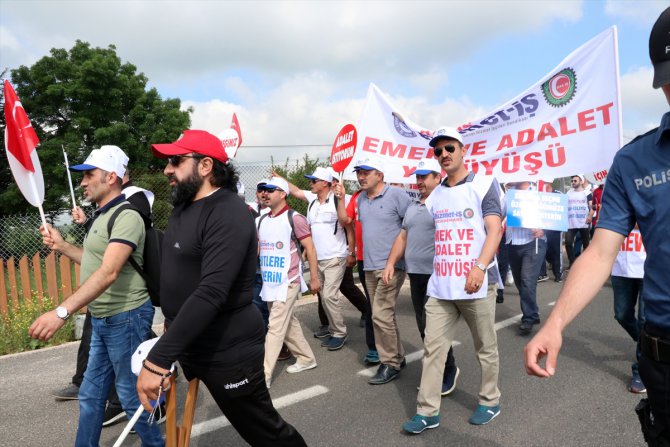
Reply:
x=567, y=123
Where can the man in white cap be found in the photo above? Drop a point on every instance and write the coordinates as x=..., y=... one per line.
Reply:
x=282, y=233
x=416, y=241
x=116, y=296
x=381, y=210
x=580, y=214
x=467, y=213
x=638, y=187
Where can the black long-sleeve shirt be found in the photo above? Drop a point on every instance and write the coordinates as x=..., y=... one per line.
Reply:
x=208, y=268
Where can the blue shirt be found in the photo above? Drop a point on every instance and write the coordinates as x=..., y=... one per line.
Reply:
x=638, y=189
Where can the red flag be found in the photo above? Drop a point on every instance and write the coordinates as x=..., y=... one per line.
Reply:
x=20, y=136
x=234, y=124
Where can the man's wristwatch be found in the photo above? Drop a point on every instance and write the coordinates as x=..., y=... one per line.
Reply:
x=62, y=313
x=480, y=266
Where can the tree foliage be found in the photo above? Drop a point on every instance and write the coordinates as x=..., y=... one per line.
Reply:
x=82, y=99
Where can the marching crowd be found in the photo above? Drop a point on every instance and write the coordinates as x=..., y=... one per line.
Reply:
x=231, y=274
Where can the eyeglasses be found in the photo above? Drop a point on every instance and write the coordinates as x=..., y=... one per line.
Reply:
x=449, y=148
x=175, y=160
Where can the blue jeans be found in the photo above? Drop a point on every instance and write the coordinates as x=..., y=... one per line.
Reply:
x=525, y=264
x=113, y=341
x=627, y=293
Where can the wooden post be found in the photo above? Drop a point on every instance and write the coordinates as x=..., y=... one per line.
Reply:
x=52, y=282
x=13, y=292
x=180, y=435
x=37, y=278
x=4, y=308
x=65, y=276
x=25, y=279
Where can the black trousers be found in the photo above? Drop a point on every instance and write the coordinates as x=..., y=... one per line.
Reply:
x=350, y=292
x=369, y=329
x=503, y=258
x=656, y=377
x=82, y=361
x=418, y=286
x=553, y=255
x=242, y=396
x=570, y=241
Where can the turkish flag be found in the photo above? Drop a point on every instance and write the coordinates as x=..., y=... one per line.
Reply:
x=20, y=136
x=234, y=124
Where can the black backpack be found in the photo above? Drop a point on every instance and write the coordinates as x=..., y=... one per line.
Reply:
x=153, y=239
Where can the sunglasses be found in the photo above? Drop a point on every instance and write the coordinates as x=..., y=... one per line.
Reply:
x=315, y=180
x=271, y=190
x=175, y=160
x=449, y=148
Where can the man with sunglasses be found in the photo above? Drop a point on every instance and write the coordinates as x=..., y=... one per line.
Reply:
x=116, y=296
x=381, y=210
x=208, y=267
x=467, y=213
x=580, y=213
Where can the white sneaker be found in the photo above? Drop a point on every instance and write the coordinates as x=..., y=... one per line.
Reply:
x=510, y=279
x=298, y=367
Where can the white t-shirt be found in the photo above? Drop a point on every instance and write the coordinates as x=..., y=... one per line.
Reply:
x=327, y=233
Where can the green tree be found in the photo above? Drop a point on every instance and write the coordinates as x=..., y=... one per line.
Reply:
x=79, y=100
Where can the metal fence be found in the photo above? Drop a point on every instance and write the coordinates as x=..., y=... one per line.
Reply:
x=19, y=234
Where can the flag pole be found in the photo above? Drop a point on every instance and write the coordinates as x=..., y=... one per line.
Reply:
x=39, y=207
x=69, y=178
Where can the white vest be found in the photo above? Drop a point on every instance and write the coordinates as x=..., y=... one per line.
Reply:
x=322, y=219
x=274, y=241
x=459, y=237
x=578, y=208
x=629, y=263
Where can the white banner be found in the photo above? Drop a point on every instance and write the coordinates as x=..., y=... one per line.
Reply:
x=567, y=123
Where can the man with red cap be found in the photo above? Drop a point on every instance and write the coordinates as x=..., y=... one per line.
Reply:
x=207, y=284
x=638, y=186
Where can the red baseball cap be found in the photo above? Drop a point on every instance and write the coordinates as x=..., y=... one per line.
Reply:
x=192, y=141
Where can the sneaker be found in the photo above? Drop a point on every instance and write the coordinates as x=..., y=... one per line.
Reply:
x=336, y=343
x=525, y=328
x=298, y=367
x=449, y=382
x=510, y=278
x=483, y=414
x=419, y=423
x=113, y=415
x=542, y=278
x=372, y=357
x=636, y=386
x=323, y=332
x=70, y=392
x=325, y=341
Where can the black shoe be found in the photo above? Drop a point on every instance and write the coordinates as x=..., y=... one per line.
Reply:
x=113, y=415
x=525, y=328
x=500, y=298
x=70, y=392
x=385, y=374
x=542, y=278
x=403, y=363
x=284, y=354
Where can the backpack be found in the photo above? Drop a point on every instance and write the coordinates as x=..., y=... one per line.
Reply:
x=153, y=239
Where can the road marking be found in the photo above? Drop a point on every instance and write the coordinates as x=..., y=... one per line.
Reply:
x=281, y=402
x=418, y=355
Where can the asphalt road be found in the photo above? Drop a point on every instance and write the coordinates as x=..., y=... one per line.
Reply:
x=585, y=404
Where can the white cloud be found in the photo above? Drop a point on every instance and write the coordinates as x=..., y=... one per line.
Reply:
x=642, y=105
x=643, y=13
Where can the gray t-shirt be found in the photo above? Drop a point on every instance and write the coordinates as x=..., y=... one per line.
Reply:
x=381, y=219
x=420, y=250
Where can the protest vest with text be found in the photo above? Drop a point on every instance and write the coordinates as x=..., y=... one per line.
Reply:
x=629, y=263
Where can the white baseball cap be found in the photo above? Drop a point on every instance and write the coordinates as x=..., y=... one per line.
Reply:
x=108, y=158
x=277, y=182
x=428, y=165
x=445, y=132
x=368, y=164
x=321, y=174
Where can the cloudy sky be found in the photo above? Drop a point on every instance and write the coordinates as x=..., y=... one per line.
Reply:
x=296, y=72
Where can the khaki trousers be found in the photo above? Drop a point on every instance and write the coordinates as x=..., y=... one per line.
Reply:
x=441, y=319
x=331, y=272
x=284, y=327
x=383, y=299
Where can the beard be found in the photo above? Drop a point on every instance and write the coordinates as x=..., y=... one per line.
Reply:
x=185, y=190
